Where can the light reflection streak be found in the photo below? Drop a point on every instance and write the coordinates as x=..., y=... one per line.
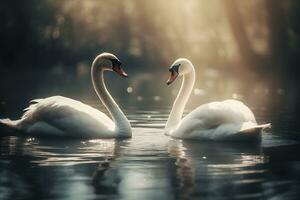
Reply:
x=64, y=153
x=185, y=171
x=239, y=162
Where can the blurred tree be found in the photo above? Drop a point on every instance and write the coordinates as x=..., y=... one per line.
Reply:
x=278, y=64
x=250, y=41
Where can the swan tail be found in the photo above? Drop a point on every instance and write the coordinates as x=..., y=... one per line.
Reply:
x=257, y=128
x=249, y=134
x=9, y=126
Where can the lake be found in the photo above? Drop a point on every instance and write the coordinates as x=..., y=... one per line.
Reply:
x=150, y=165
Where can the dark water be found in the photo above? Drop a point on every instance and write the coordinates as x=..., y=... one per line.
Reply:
x=149, y=166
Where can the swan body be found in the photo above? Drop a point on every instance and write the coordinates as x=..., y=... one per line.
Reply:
x=217, y=121
x=62, y=116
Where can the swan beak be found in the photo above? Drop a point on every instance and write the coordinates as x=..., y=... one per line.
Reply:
x=172, y=77
x=120, y=71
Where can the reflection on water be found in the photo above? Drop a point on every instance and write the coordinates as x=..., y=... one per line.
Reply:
x=148, y=166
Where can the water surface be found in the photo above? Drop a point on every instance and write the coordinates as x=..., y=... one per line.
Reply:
x=150, y=165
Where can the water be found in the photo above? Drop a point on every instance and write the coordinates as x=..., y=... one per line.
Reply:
x=150, y=165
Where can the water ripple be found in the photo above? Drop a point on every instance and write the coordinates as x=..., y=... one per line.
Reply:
x=149, y=165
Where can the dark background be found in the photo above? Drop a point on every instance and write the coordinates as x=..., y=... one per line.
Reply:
x=247, y=50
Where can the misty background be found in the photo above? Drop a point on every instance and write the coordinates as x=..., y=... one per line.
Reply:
x=246, y=50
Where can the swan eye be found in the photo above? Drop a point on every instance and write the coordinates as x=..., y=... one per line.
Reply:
x=116, y=63
x=175, y=68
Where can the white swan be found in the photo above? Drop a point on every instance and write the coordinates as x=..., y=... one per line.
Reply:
x=61, y=116
x=225, y=120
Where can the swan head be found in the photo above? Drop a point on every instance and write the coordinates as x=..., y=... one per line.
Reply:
x=180, y=67
x=110, y=62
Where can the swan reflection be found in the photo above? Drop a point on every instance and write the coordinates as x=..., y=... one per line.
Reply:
x=71, y=169
x=215, y=167
x=149, y=165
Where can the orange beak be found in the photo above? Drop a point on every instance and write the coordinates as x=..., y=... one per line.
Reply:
x=172, y=77
x=120, y=71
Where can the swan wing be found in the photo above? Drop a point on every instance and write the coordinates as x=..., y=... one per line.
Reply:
x=216, y=113
x=67, y=115
x=216, y=121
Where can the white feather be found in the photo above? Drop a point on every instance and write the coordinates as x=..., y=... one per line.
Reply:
x=66, y=115
x=61, y=116
x=225, y=120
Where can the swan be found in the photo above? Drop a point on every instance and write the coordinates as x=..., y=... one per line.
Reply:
x=216, y=121
x=62, y=116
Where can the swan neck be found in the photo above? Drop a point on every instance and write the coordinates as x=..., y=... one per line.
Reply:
x=181, y=100
x=123, y=128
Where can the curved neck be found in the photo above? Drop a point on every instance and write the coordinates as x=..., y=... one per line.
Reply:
x=123, y=127
x=181, y=100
